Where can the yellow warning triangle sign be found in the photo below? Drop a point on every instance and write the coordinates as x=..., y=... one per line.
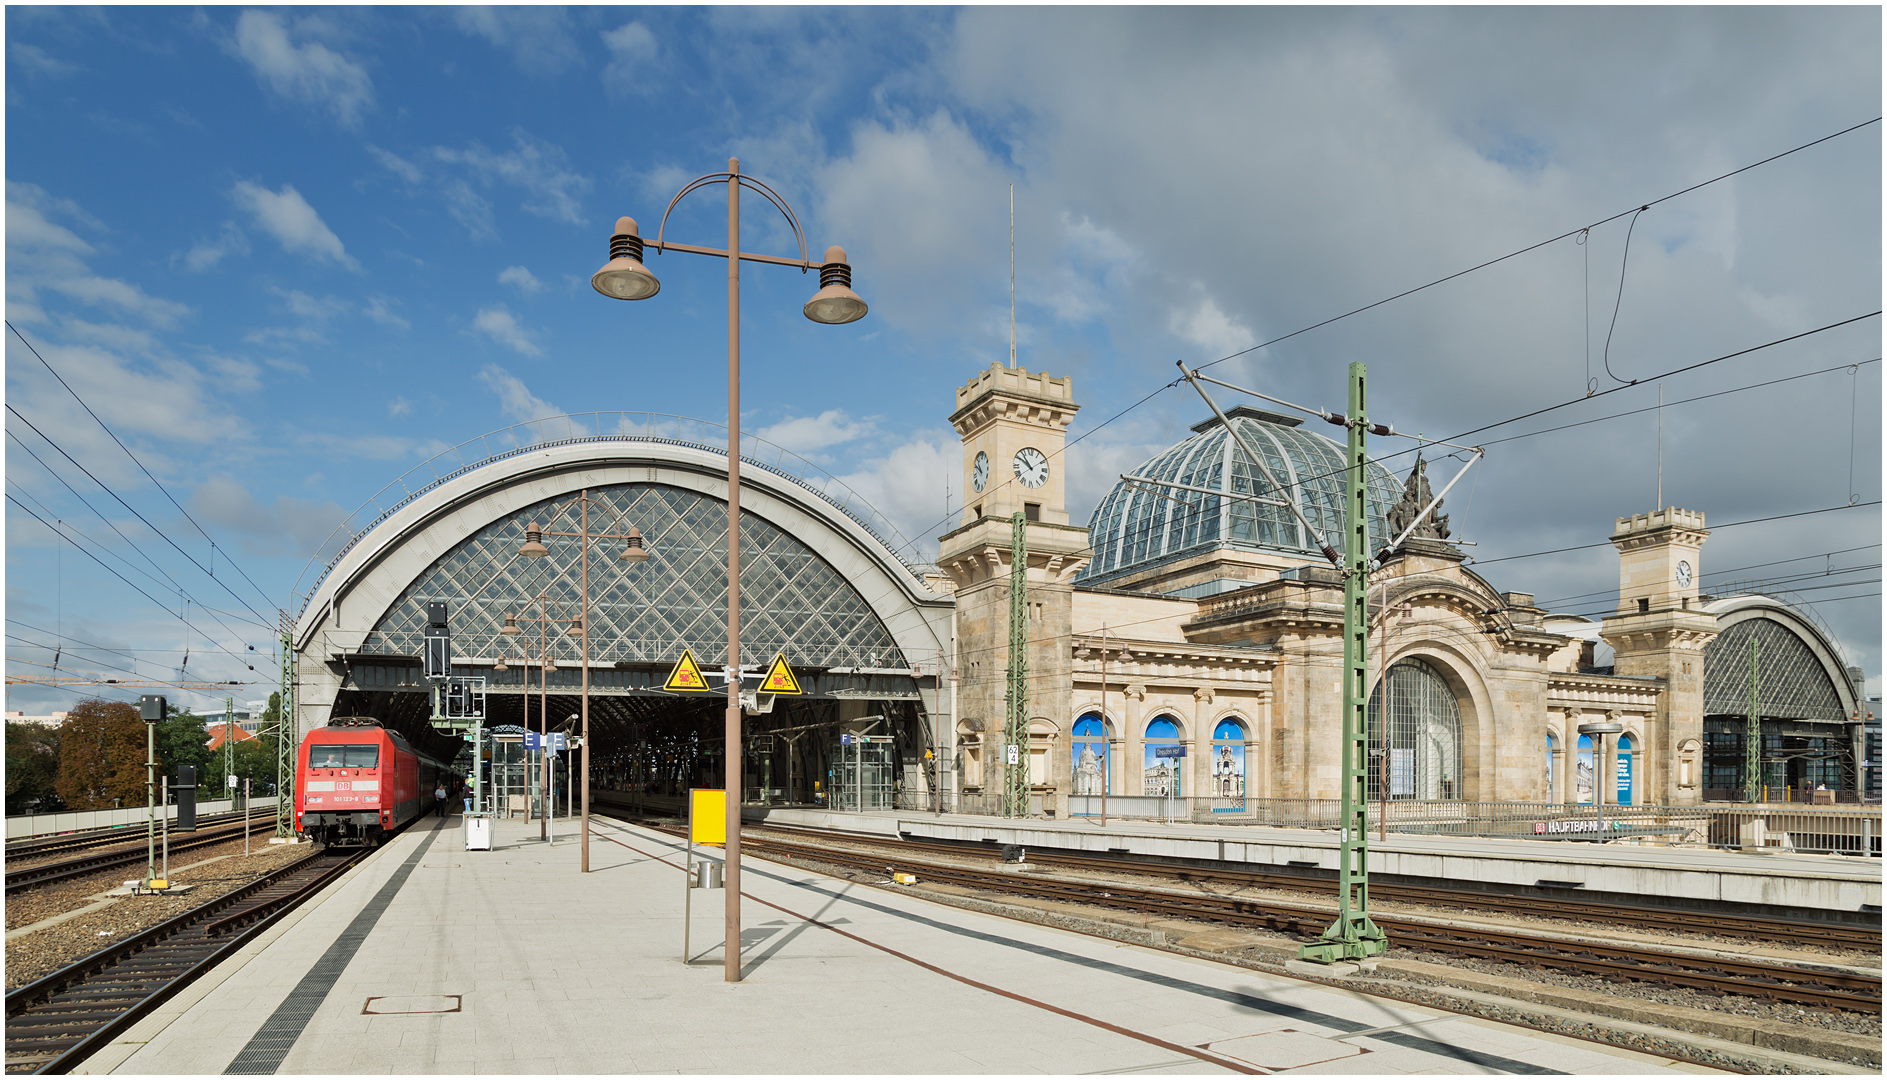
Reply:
x=779, y=678
x=687, y=674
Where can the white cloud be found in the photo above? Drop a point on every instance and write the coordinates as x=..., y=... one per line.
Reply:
x=538, y=38
x=523, y=279
x=36, y=60
x=399, y=407
x=541, y=168
x=806, y=435
x=501, y=326
x=303, y=523
x=907, y=485
x=44, y=255
x=310, y=73
x=1212, y=330
x=315, y=313
x=632, y=51
x=380, y=309
x=205, y=254
x=515, y=400
x=287, y=216
x=396, y=164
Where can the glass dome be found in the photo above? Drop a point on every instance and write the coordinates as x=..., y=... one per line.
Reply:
x=1133, y=528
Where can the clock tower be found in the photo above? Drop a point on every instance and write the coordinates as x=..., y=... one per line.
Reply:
x=1660, y=631
x=1013, y=424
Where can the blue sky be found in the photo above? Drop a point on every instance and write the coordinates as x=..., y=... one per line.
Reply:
x=289, y=254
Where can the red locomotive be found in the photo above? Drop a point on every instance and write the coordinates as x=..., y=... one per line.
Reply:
x=356, y=782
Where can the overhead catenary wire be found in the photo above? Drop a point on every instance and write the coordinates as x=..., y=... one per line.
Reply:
x=60, y=528
x=114, y=573
x=1730, y=570
x=260, y=619
x=1749, y=521
x=141, y=467
x=1553, y=240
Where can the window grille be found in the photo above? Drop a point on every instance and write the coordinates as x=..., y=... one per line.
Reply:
x=1424, y=735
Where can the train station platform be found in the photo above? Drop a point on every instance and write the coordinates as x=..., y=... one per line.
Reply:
x=428, y=958
x=1832, y=887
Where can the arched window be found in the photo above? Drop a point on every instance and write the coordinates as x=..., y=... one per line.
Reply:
x=1161, y=773
x=1090, y=756
x=1424, y=744
x=1583, y=772
x=1552, y=761
x=1228, y=761
x=1625, y=761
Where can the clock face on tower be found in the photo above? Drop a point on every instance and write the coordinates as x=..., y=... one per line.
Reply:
x=1683, y=575
x=979, y=475
x=1031, y=467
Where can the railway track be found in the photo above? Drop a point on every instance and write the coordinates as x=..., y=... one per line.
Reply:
x=1712, y=975
x=127, y=855
x=56, y=1021
x=1857, y=938
x=63, y=843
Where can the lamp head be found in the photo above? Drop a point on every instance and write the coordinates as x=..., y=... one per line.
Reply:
x=510, y=628
x=533, y=542
x=624, y=277
x=501, y=665
x=633, y=551
x=835, y=303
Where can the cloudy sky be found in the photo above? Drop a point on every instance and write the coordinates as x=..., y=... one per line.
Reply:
x=287, y=255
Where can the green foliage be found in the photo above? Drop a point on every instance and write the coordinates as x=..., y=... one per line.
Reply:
x=183, y=738
x=255, y=762
x=101, y=756
x=32, y=768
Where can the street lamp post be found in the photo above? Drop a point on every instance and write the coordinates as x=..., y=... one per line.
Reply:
x=625, y=278
x=546, y=665
x=632, y=552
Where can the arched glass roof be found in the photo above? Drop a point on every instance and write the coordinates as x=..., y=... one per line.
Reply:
x=1133, y=528
x=791, y=600
x=1790, y=681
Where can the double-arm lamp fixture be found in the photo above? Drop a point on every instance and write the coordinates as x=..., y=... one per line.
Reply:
x=625, y=278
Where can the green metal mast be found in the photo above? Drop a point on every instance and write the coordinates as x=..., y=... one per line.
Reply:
x=1753, y=731
x=1015, y=787
x=1353, y=935
x=285, y=741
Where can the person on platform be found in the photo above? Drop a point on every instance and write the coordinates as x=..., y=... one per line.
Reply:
x=439, y=798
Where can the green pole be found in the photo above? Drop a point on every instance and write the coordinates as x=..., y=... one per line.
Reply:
x=285, y=742
x=150, y=799
x=1753, y=731
x=1016, y=730
x=1353, y=936
x=229, y=745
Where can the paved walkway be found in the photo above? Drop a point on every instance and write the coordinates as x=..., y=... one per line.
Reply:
x=431, y=959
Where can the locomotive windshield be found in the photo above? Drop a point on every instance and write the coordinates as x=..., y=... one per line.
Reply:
x=343, y=756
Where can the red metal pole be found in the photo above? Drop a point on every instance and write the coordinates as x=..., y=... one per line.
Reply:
x=731, y=877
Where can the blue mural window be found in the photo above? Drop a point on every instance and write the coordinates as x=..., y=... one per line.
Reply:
x=1625, y=757
x=1583, y=772
x=1228, y=765
x=1090, y=756
x=1162, y=775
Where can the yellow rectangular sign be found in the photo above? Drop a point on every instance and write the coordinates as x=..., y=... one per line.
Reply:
x=707, y=816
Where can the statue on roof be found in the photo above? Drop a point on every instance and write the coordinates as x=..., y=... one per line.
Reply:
x=1415, y=496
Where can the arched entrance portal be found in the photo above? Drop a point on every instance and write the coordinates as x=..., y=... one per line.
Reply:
x=818, y=583
x=1424, y=735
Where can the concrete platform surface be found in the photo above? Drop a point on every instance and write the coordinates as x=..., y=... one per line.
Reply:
x=432, y=959
x=1779, y=880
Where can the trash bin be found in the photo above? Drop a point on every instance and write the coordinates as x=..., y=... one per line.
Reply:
x=477, y=833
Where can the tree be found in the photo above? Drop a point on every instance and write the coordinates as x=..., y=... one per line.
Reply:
x=101, y=756
x=32, y=768
x=183, y=738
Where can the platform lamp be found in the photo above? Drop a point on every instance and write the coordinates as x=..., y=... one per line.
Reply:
x=545, y=666
x=1600, y=729
x=835, y=304
x=634, y=551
